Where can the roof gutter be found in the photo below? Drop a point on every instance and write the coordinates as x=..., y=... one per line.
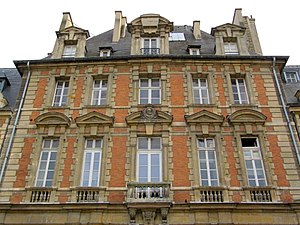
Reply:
x=11, y=138
x=285, y=111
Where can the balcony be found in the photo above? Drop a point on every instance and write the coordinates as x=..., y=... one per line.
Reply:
x=150, y=51
x=88, y=194
x=148, y=192
x=259, y=194
x=211, y=194
x=40, y=194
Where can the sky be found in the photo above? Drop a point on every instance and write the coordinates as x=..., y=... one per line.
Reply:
x=28, y=27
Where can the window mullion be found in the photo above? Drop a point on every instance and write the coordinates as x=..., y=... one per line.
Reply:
x=46, y=168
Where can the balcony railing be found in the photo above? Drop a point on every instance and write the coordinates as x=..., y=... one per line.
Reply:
x=39, y=195
x=145, y=192
x=260, y=194
x=211, y=194
x=88, y=194
x=150, y=51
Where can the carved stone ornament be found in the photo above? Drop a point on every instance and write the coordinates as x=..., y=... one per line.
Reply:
x=148, y=217
x=149, y=113
x=164, y=214
x=132, y=214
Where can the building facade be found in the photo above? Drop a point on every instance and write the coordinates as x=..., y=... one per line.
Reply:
x=152, y=123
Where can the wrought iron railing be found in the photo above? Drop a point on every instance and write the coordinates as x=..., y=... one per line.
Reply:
x=148, y=192
x=150, y=51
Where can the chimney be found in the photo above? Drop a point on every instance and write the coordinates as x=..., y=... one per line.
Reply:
x=66, y=21
x=119, y=28
x=238, y=17
x=196, y=29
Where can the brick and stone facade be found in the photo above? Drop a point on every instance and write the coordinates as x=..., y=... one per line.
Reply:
x=177, y=120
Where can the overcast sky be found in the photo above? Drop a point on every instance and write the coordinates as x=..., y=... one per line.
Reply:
x=28, y=26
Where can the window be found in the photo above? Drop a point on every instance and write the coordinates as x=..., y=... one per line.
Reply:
x=149, y=159
x=69, y=51
x=99, y=95
x=253, y=162
x=149, y=91
x=46, y=167
x=104, y=53
x=176, y=37
x=230, y=48
x=291, y=77
x=207, y=162
x=91, y=162
x=239, y=91
x=200, y=91
x=194, y=51
x=61, y=93
x=150, y=46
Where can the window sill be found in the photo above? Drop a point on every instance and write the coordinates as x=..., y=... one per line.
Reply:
x=57, y=107
x=97, y=106
x=202, y=105
x=253, y=106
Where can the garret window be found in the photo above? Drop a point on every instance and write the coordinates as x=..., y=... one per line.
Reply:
x=105, y=51
x=291, y=77
x=194, y=49
x=230, y=48
x=69, y=51
x=150, y=46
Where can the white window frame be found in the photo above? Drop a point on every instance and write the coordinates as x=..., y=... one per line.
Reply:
x=96, y=99
x=63, y=93
x=69, y=51
x=290, y=79
x=149, y=89
x=102, y=53
x=239, y=91
x=194, y=50
x=150, y=50
x=254, y=159
x=231, y=48
x=93, y=172
x=149, y=152
x=200, y=89
x=205, y=159
x=42, y=178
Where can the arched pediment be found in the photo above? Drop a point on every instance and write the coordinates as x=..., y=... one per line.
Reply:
x=247, y=116
x=204, y=116
x=94, y=118
x=150, y=23
x=149, y=115
x=52, y=118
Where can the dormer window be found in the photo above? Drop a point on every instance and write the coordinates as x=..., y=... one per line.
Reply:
x=105, y=51
x=3, y=83
x=69, y=51
x=194, y=49
x=230, y=48
x=150, y=46
x=291, y=77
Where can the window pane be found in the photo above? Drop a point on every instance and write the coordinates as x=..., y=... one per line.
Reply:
x=155, y=143
x=142, y=143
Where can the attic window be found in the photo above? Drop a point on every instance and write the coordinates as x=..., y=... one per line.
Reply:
x=176, y=37
x=105, y=51
x=69, y=51
x=194, y=49
x=291, y=77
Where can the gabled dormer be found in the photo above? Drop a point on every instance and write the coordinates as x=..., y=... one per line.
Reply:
x=71, y=40
x=150, y=35
x=230, y=39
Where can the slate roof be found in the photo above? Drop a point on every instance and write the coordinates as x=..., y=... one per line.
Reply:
x=11, y=91
x=122, y=47
x=290, y=89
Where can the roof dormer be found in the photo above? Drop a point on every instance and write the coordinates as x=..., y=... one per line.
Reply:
x=150, y=35
x=71, y=40
x=230, y=39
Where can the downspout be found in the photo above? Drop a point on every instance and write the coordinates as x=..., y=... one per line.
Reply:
x=285, y=111
x=11, y=138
